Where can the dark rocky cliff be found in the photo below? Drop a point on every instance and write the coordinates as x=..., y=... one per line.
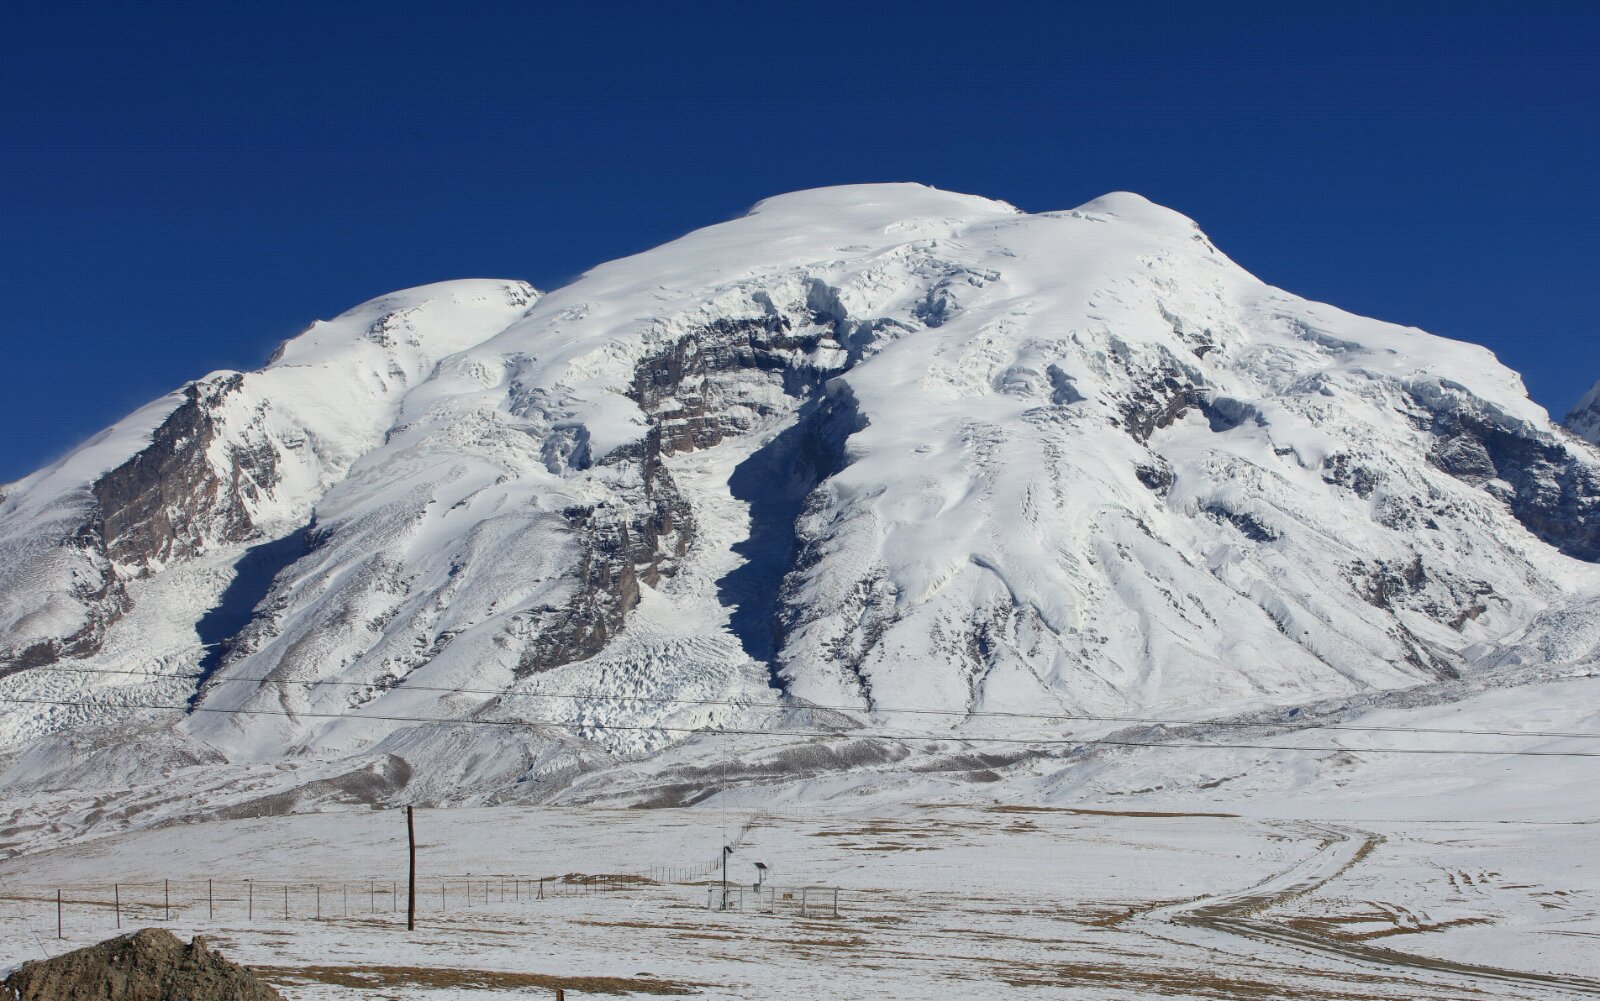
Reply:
x=706, y=386
x=168, y=502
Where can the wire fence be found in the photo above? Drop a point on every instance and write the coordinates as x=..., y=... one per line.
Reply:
x=802, y=901
x=78, y=910
x=198, y=902
x=81, y=910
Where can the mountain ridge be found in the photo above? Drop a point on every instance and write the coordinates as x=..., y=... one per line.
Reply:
x=869, y=446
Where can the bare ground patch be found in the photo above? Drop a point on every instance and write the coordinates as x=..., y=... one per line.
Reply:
x=403, y=977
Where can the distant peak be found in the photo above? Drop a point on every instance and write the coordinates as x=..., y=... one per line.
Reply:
x=1118, y=201
x=902, y=198
x=1136, y=208
x=1584, y=420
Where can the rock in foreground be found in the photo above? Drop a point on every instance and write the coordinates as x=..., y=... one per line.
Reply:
x=149, y=965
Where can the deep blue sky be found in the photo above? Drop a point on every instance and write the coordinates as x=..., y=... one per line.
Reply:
x=186, y=184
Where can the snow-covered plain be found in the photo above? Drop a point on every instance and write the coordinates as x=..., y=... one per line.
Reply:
x=1104, y=872
x=934, y=901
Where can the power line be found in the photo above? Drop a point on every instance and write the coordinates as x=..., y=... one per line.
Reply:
x=811, y=734
x=751, y=704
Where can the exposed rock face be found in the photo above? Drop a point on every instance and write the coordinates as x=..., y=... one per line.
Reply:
x=618, y=550
x=718, y=381
x=1548, y=486
x=169, y=501
x=1584, y=420
x=148, y=965
x=96, y=588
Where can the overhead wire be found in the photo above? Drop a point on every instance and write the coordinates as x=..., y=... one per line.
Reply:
x=811, y=734
x=885, y=710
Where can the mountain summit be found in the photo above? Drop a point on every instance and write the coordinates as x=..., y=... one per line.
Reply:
x=866, y=448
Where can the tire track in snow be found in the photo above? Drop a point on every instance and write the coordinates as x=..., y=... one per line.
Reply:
x=1239, y=914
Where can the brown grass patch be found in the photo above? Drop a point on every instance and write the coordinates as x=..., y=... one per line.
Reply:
x=831, y=943
x=1169, y=983
x=1331, y=927
x=1006, y=808
x=403, y=977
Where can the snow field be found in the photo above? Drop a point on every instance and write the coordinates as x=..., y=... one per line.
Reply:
x=970, y=901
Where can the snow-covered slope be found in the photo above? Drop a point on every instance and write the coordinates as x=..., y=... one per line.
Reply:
x=229, y=458
x=869, y=448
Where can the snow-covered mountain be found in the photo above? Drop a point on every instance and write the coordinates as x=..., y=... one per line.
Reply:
x=1584, y=420
x=869, y=448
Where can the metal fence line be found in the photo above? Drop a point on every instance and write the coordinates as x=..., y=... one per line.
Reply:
x=211, y=901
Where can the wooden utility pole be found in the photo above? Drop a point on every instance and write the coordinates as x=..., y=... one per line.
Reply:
x=411, y=874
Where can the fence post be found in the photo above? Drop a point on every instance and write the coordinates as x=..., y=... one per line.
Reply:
x=211, y=903
x=836, y=901
x=250, y=884
x=802, y=901
x=319, y=901
x=286, y=901
x=166, y=899
x=116, y=892
x=58, y=915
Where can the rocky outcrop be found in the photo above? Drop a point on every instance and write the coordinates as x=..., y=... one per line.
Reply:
x=619, y=548
x=718, y=381
x=98, y=590
x=1584, y=420
x=149, y=965
x=169, y=500
x=1551, y=485
x=709, y=385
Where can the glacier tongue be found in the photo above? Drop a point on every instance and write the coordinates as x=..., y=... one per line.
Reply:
x=870, y=448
